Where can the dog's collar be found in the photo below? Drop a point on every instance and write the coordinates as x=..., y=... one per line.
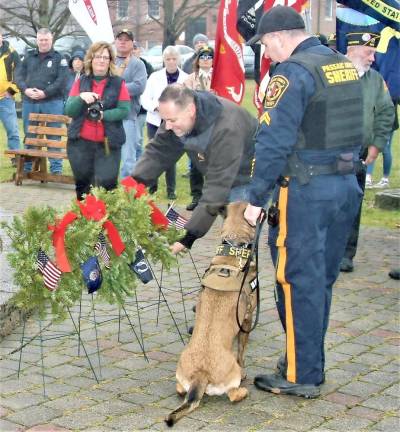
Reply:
x=241, y=250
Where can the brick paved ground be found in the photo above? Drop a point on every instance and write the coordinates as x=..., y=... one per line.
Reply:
x=362, y=377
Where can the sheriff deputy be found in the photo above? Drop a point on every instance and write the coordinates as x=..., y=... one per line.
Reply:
x=309, y=139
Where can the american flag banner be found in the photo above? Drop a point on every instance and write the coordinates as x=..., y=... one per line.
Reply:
x=51, y=274
x=101, y=250
x=175, y=219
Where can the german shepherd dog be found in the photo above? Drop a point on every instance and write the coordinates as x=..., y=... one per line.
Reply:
x=209, y=364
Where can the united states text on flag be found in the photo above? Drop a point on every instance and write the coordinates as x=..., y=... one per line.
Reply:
x=101, y=250
x=174, y=218
x=51, y=274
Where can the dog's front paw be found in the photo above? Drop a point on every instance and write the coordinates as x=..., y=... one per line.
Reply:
x=237, y=394
x=243, y=374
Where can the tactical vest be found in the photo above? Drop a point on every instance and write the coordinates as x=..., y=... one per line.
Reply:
x=114, y=130
x=333, y=118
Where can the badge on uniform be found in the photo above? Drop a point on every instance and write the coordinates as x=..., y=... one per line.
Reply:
x=49, y=64
x=275, y=90
x=91, y=273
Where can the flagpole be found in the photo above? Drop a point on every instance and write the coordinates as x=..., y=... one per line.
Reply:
x=169, y=207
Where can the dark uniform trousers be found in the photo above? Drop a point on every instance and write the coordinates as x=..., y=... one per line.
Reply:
x=307, y=247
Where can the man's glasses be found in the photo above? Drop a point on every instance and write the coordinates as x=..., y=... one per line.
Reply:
x=100, y=57
x=206, y=57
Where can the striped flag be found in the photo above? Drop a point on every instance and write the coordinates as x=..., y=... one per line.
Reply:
x=51, y=274
x=175, y=219
x=101, y=250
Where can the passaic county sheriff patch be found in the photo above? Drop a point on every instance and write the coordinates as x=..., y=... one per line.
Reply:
x=276, y=87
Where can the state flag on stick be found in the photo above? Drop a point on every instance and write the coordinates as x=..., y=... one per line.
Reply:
x=175, y=219
x=51, y=274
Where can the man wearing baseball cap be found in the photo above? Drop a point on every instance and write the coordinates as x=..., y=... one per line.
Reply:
x=306, y=159
x=133, y=71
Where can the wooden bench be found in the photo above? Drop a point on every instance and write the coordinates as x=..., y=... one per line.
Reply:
x=42, y=149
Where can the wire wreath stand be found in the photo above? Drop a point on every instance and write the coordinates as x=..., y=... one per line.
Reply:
x=45, y=334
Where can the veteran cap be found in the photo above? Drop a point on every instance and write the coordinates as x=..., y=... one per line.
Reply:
x=276, y=19
x=205, y=50
x=363, y=38
x=125, y=31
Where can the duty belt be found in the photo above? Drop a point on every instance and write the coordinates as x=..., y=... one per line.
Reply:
x=343, y=165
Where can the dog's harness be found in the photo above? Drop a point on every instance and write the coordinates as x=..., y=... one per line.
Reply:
x=224, y=277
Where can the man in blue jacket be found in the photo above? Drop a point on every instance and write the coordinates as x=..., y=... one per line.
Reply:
x=306, y=157
x=41, y=79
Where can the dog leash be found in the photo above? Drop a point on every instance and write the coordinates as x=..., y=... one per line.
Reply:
x=253, y=252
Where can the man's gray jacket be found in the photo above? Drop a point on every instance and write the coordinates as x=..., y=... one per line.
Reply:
x=135, y=77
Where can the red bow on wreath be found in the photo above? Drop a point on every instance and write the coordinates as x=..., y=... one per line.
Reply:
x=157, y=217
x=59, y=240
x=95, y=209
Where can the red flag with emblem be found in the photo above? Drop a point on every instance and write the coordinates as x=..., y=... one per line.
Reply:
x=228, y=67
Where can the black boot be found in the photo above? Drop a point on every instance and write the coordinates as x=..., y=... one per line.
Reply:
x=275, y=383
x=192, y=205
x=281, y=367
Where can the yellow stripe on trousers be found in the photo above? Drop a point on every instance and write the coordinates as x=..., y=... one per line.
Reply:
x=287, y=288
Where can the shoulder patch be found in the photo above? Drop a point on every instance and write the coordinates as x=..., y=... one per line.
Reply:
x=64, y=62
x=276, y=88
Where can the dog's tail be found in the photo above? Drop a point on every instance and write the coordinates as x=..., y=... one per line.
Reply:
x=191, y=402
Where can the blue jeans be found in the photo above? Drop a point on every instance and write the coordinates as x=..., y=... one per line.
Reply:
x=387, y=159
x=128, y=149
x=8, y=116
x=141, y=121
x=55, y=106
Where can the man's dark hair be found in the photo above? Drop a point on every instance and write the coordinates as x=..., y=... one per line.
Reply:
x=177, y=93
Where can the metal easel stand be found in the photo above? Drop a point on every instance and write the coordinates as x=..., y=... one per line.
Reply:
x=141, y=305
x=182, y=293
x=43, y=337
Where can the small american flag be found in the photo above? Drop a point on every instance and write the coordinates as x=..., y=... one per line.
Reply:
x=174, y=218
x=101, y=250
x=50, y=272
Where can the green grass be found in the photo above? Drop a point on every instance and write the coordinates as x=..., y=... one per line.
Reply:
x=371, y=216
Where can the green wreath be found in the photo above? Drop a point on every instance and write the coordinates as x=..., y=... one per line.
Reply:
x=132, y=218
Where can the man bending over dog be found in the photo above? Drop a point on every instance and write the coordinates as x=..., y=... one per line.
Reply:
x=217, y=135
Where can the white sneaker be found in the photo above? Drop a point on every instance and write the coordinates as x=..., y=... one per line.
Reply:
x=383, y=183
x=368, y=183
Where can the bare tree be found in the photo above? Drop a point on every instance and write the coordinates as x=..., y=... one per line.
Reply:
x=22, y=18
x=176, y=16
